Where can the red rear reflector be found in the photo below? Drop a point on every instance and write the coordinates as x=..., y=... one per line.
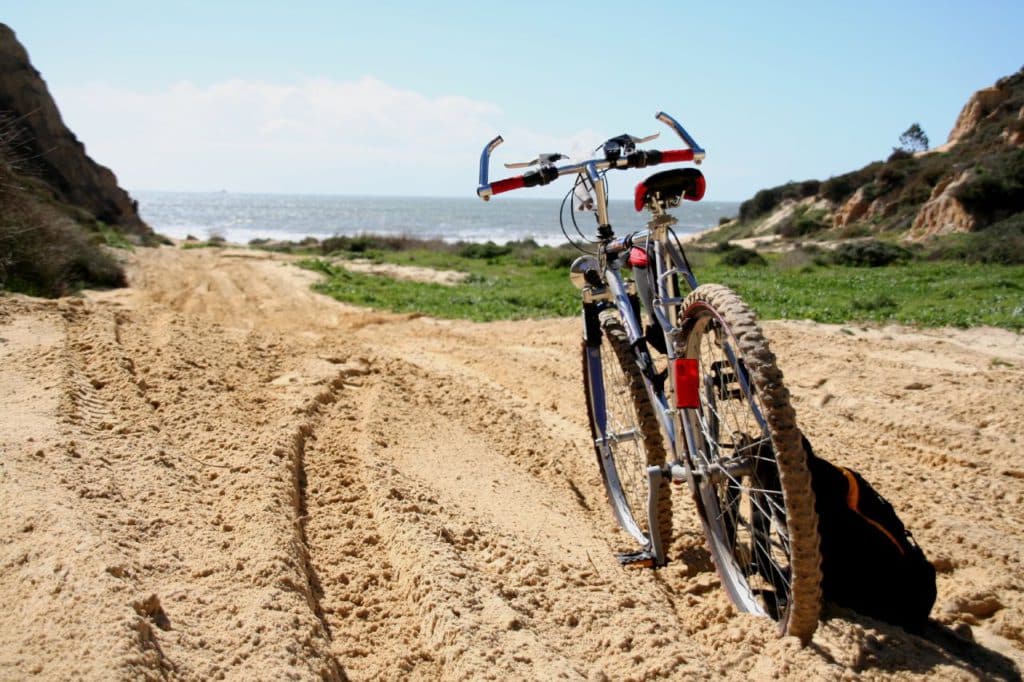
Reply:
x=687, y=380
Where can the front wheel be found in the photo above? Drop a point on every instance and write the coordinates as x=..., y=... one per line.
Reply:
x=753, y=486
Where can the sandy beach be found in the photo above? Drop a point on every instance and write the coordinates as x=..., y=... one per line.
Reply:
x=217, y=473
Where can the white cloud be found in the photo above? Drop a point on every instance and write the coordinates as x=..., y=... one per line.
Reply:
x=317, y=135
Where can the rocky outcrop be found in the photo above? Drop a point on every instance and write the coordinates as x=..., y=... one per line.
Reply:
x=981, y=104
x=52, y=152
x=852, y=210
x=943, y=213
x=1014, y=134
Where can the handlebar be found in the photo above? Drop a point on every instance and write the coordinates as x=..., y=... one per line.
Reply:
x=547, y=173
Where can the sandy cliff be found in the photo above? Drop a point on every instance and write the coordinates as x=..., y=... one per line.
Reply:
x=50, y=151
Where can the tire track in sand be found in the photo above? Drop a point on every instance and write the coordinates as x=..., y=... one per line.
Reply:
x=446, y=536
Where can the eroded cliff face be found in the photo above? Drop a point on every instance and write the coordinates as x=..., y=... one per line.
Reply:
x=52, y=152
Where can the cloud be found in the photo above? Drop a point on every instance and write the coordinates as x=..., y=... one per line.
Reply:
x=317, y=135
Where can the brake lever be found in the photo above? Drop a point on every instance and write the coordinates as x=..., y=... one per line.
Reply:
x=541, y=159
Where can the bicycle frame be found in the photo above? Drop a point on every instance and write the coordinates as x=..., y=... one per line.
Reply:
x=708, y=411
x=668, y=263
x=621, y=293
x=663, y=306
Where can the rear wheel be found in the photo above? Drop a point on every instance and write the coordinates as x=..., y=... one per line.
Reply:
x=753, y=488
x=627, y=437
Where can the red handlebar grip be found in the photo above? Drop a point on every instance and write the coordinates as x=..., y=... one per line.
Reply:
x=508, y=184
x=676, y=155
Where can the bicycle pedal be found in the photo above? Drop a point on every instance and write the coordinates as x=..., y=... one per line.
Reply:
x=641, y=559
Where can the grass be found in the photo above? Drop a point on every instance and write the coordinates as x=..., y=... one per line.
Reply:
x=499, y=288
x=521, y=283
x=45, y=250
x=926, y=294
x=113, y=238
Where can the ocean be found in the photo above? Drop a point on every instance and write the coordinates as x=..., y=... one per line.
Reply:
x=240, y=218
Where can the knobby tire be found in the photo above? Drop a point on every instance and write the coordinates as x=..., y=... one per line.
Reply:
x=718, y=320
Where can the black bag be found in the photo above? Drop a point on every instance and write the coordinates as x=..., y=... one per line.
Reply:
x=869, y=561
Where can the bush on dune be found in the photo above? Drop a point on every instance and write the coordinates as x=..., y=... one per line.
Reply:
x=46, y=254
x=1001, y=243
x=870, y=253
x=43, y=252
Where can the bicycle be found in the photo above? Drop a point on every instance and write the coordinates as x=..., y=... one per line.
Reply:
x=693, y=395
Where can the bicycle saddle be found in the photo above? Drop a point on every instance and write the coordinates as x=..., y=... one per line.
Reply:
x=668, y=187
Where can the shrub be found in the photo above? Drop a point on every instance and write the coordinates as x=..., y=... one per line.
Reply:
x=853, y=231
x=1001, y=243
x=766, y=200
x=916, y=192
x=837, y=189
x=888, y=179
x=803, y=257
x=809, y=188
x=484, y=251
x=877, y=302
x=738, y=256
x=43, y=252
x=870, y=253
x=997, y=188
x=802, y=223
x=761, y=203
x=556, y=259
x=899, y=154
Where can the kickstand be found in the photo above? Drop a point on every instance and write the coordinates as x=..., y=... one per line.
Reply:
x=655, y=476
x=654, y=555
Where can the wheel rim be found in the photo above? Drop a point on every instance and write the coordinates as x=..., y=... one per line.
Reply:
x=625, y=458
x=740, y=489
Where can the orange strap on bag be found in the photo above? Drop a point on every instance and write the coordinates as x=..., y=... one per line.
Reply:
x=853, y=500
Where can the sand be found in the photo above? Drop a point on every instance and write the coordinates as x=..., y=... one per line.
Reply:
x=217, y=473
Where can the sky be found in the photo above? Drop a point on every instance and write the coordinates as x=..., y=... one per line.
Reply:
x=399, y=98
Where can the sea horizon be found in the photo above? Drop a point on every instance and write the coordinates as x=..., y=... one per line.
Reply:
x=240, y=217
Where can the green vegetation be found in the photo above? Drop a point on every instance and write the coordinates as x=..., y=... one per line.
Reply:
x=869, y=253
x=913, y=139
x=514, y=281
x=113, y=238
x=765, y=201
x=927, y=294
x=1001, y=243
x=214, y=242
x=995, y=188
x=804, y=221
x=522, y=280
x=986, y=163
x=738, y=256
x=47, y=249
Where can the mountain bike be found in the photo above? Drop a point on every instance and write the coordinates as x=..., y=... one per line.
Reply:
x=681, y=385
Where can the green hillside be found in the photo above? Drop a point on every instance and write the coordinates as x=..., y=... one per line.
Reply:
x=964, y=199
